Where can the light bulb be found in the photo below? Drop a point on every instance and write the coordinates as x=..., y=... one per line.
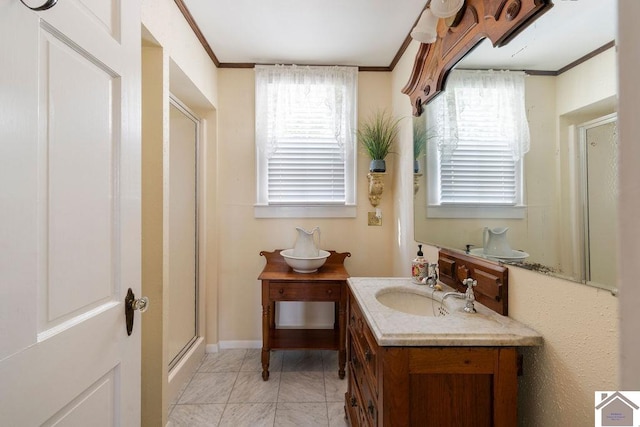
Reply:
x=445, y=8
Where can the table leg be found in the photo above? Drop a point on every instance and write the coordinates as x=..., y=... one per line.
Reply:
x=272, y=315
x=266, y=346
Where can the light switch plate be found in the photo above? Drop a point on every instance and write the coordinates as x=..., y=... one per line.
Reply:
x=373, y=219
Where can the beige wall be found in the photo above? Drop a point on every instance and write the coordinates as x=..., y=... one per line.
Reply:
x=579, y=324
x=591, y=81
x=165, y=22
x=155, y=103
x=575, y=106
x=242, y=236
x=173, y=62
x=404, y=244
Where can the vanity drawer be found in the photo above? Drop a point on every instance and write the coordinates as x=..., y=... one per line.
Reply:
x=356, y=321
x=356, y=410
x=370, y=356
x=355, y=362
x=366, y=344
x=369, y=403
x=300, y=291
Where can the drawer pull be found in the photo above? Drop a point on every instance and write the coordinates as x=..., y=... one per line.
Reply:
x=371, y=408
x=329, y=291
x=368, y=355
x=281, y=291
x=354, y=360
x=353, y=402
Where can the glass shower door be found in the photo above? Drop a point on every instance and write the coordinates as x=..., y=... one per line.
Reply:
x=182, y=250
x=600, y=145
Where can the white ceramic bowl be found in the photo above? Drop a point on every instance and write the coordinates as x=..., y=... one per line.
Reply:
x=304, y=265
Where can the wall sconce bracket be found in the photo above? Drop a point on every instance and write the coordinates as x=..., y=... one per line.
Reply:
x=376, y=187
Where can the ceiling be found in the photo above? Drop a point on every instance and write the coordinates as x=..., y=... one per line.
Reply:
x=319, y=32
x=570, y=30
x=370, y=33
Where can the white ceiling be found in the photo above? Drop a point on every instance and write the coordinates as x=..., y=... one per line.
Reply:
x=370, y=32
x=568, y=31
x=319, y=32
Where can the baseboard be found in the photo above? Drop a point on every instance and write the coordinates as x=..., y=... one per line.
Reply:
x=185, y=368
x=224, y=345
x=308, y=326
x=231, y=344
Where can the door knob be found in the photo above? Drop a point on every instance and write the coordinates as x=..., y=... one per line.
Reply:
x=130, y=305
x=46, y=6
x=140, y=304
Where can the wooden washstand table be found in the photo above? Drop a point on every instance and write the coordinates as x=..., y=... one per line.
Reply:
x=281, y=283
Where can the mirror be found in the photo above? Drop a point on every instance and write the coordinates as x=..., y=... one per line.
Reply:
x=569, y=179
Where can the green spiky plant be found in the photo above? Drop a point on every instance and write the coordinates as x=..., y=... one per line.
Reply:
x=377, y=135
x=420, y=138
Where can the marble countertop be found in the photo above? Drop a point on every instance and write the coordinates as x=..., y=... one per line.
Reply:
x=394, y=328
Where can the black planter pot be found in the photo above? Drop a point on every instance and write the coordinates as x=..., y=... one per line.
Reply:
x=377, y=165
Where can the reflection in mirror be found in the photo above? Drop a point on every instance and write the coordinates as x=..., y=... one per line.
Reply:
x=565, y=222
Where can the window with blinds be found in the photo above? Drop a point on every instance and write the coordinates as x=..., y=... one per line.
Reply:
x=479, y=135
x=305, y=141
x=308, y=165
x=481, y=170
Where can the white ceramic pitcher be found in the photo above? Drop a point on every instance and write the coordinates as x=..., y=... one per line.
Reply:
x=495, y=242
x=305, y=246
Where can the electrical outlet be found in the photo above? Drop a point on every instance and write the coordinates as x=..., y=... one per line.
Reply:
x=374, y=220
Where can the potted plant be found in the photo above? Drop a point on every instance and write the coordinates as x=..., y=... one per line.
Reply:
x=377, y=136
x=420, y=138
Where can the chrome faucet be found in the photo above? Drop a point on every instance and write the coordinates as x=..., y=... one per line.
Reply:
x=468, y=296
x=432, y=275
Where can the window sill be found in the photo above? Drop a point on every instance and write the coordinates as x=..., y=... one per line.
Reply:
x=300, y=211
x=487, y=212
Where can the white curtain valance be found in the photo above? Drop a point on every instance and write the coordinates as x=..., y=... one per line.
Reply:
x=285, y=92
x=499, y=93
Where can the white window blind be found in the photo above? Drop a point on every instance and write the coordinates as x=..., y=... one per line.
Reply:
x=308, y=164
x=305, y=127
x=480, y=134
x=481, y=170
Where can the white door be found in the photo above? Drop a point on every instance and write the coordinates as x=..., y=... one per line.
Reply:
x=69, y=213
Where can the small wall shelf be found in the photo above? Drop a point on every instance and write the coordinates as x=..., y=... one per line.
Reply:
x=416, y=182
x=376, y=187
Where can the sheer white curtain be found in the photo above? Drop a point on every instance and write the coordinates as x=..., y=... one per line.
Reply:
x=499, y=93
x=282, y=91
x=305, y=135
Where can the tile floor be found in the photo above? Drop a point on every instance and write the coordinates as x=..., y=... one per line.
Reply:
x=228, y=390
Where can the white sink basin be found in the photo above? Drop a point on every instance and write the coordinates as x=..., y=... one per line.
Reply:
x=411, y=303
x=304, y=265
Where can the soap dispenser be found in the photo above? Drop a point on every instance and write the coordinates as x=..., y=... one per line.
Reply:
x=419, y=267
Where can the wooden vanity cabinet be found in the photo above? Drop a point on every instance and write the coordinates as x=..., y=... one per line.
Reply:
x=427, y=386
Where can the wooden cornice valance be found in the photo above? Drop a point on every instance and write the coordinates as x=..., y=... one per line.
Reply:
x=498, y=20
